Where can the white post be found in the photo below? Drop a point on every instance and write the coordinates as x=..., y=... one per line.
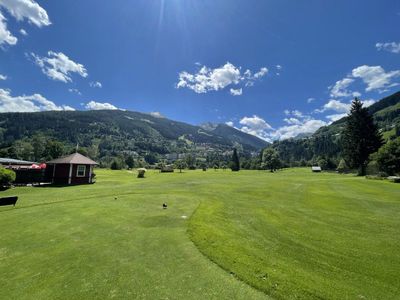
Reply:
x=70, y=174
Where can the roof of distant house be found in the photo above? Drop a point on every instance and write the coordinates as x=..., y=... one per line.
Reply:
x=316, y=168
x=12, y=161
x=75, y=159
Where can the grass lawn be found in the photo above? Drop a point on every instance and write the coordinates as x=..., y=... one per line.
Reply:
x=287, y=235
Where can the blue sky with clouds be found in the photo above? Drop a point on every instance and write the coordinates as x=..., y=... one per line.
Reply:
x=273, y=68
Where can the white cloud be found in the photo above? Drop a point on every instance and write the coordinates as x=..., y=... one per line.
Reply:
x=32, y=103
x=207, y=79
x=310, y=100
x=255, y=126
x=337, y=106
x=58, y=66
x=278, y=67
x=236, y=92
x=306, y=126
x=335, y=117
x=27, y=9
x=157, y=114
x=339, y=89
x=68, y=108
x=390, y=47
x=297, y=126
x=345, y=108
x=75, y=91
x=341, y=108
x=95, y=84
x=21, y=9
x=3, y=77
x=292, y=121
x=23, y=32
x=375, y=77
x=6, y=36
x=255, y=122
x=368, y=102
x=356, y=94
x=261, y=73
x=229, y=123
x=296, y=113
x=93, y=105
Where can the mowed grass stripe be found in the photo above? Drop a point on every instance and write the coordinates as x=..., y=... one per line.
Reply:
x=308, y=236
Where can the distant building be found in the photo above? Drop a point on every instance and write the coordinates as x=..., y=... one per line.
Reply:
x=316, y=169
x=71, y=169
x=11, y=163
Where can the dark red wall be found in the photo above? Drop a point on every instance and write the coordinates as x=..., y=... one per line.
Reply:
x=80, y=180
x=61, y=174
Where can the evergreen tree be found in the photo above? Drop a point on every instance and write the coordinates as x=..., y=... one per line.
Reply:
x=360, y=137
x=235, y=164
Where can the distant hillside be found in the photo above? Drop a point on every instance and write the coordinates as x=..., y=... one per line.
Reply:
x=235, y=135
x=112, y=132
x=325, y=141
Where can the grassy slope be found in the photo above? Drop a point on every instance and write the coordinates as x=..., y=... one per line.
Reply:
x=301, y=235
x=291, y=234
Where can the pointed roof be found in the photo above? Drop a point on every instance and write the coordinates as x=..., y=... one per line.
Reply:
x=75, y=159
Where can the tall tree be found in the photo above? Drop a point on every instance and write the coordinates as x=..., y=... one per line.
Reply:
x=360, y=137
x=270, y=160
x=235, y=163
x=53, y=149
x=180, y=164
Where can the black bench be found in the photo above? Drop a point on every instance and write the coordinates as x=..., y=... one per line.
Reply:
x=8, y=200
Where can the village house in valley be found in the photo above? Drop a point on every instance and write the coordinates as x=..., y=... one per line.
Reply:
x=71, y=169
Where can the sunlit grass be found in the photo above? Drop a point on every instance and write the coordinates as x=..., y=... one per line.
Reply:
x=289, y=234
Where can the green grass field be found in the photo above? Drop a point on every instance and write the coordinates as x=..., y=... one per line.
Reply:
x=247, y=235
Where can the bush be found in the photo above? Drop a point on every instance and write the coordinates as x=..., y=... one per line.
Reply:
x=141, y=172
x=7, y=177
x=342, y=167
x=116, y=165
x=375, y=177
x=388, y=157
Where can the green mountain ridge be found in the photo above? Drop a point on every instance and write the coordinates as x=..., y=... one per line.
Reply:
x=108, y=133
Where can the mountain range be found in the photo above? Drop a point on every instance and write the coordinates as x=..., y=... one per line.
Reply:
x=112, y=132
x=104, y=134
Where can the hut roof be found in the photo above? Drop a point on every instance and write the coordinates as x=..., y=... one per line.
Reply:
x=75, y=159
x=316, y=168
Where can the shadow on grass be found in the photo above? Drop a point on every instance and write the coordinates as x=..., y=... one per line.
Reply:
x=51, y=185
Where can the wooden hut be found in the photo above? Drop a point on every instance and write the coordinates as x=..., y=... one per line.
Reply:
x=71, y=169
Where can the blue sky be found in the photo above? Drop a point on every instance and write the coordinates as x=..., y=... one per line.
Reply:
x=272, y=68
